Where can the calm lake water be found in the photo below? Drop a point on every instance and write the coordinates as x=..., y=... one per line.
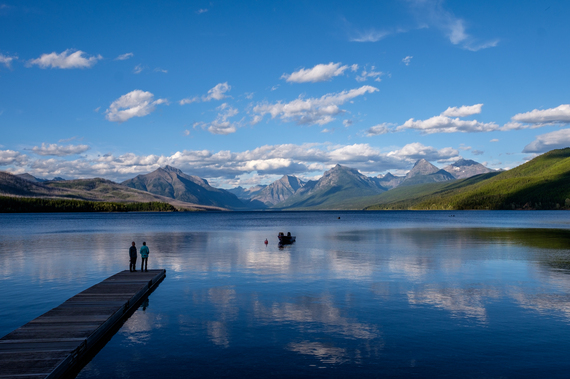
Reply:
x=372, y=294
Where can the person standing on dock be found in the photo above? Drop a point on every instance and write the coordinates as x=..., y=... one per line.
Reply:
x=144, y=257
x=133, y=258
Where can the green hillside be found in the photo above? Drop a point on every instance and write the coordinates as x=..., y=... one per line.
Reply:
x=542, y=183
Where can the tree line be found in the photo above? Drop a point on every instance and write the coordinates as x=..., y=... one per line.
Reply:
x=10, y=204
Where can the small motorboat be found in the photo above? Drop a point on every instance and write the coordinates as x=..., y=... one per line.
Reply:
x=286, y=239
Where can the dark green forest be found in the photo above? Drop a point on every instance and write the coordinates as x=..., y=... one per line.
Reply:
x=29, y=205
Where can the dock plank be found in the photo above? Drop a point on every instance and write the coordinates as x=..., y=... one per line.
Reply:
x=53, y=344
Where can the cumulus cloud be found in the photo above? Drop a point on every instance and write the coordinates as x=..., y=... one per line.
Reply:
x=545, y=142
x=310, y=111
x=407, y=60
x=65, y=60
x=378, y=129
x=445, y=124
x=136, y=103
x=59, y=150
x=416, y=150
x=218, y=92
x=558, y=115
x=477, y=152
x=203, y=10
x=434, y=14
x=319, y=73
x=222, y=124
x=124, y=57
x=11, y=157
x=463, y=111
x=7, y=60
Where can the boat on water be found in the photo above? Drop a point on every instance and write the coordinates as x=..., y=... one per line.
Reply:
x=286, y=239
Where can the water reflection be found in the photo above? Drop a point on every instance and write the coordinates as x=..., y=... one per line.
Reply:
x=344, y=295
x=461, y=302
x=326, y=354
x=318, y=314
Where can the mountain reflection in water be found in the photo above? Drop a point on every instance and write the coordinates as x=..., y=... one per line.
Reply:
x=372, y=294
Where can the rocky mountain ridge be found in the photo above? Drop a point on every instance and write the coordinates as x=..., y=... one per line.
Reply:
x=173, y=183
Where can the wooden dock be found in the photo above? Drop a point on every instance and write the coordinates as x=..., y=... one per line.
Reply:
x=58, y=342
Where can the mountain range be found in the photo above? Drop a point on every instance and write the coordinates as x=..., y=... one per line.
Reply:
x=339, y=188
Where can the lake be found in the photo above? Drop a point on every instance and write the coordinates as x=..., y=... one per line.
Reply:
x=471, y=294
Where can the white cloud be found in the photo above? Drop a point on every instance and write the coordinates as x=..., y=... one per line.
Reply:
x=379, y=129
x=319, y=73
x=11, y=157
x=433, y=13
x=514, y=126
x=477, y=152
x=443, y=124
x=136, y=103
x=558, y=115
x=7, y=60
x=310, y=111
x=218, y=92
x=347, y=123
x=545, y=142
x=463, y=111
x=371, y=35
x=203, y=10
x=369, y=74
x=158, y=69
x=59, y=150
x=138, y=69
x=481, y=46
x=189, y=100
x=416, y=150
x=124, y=57
x=494, y=140
x=222, y=125
x=65, y=60
x=407, y=60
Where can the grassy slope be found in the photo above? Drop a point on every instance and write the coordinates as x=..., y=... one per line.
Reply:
x=542, y=183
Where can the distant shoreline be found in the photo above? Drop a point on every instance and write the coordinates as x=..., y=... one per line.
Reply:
x=9, y=204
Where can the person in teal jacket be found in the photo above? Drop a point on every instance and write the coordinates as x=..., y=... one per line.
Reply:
x=144, y=255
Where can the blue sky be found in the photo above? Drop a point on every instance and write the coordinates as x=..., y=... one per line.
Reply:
x=241, y=93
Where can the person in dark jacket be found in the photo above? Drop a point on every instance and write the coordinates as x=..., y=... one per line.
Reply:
x=133, y=258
